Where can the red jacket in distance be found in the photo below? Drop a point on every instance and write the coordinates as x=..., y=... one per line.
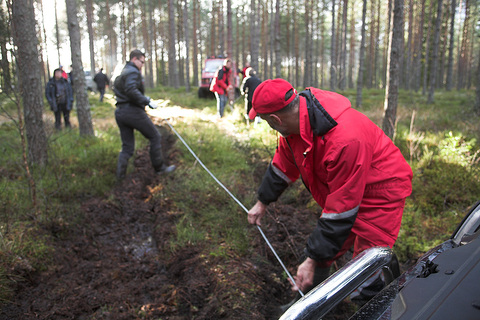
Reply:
x=221, y=80
x=346, y=161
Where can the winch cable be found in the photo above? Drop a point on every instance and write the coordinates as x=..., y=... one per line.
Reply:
x=237, y=201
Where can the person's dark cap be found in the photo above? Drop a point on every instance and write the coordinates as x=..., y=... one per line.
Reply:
x=269, y=97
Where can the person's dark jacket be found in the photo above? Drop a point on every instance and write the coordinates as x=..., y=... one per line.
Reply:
x=128, y=87
x=51, y=94
x=101, y=80
x=249, y=86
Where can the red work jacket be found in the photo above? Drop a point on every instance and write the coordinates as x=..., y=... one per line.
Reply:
x=346, y=161
x=221, y=81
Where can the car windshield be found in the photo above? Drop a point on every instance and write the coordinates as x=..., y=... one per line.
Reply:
x=213, y=65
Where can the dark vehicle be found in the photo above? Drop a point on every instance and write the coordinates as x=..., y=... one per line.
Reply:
x=443, y=284
x=212, y=64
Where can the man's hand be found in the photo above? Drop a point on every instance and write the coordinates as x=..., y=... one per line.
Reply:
x=256, y=213
x=304, y=277
x=152, y=104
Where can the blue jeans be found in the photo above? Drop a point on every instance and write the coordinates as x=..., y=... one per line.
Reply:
x=128, y=119
x=221, y=103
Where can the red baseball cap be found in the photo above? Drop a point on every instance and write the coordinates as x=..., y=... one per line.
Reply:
x=269, y=97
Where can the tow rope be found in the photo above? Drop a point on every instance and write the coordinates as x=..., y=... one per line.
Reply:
x=237, y=201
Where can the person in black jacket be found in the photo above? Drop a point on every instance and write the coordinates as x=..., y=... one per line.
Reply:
x=59, y=95
x=102, y=81
x=130, y=114
x=249, y=84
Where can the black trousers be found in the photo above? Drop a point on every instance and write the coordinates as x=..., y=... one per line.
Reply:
x=62, y=108
x=133, y=118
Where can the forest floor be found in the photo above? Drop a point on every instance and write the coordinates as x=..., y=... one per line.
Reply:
x=117, y=264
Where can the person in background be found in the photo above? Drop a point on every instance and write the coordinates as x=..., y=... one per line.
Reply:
x=130, y=115
x=353, y=170
x=249, y=84
x=59, y=94
x=221, y=85
x=102, y=82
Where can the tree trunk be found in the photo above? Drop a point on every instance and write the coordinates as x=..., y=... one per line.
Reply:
x=89, y=12
x=427, y=54
x=187, y=49
x=417, y=59
x=307, y=69
x=393, y=72
x=343, y=52
x=221, y=27
x=371, y=47
x=81, y=97
x=57, y=33
x=132, y=24
x=231, y=93
x=254, y=40
x=195, y=43
x=146, y=44
x=361, y=60
x=30, y=79
x=449, y=84
x=433, y=73
x=172, y=55
x=123, y=28
x=278, y=52
x=265, y=39
x=297, y=46
x=463, y=57
x=5, y=64
x=333, y=54
x=351, y=59
x=409, y=50
x=477, y=98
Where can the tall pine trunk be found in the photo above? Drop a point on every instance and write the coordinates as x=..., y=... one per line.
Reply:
x=172, y=55
x=30, y=80
x=393, y=70
x=333, y=54
x=89, y=13
x=436, y=39
x=254, y=40
x=81, y=97
x=361, y=60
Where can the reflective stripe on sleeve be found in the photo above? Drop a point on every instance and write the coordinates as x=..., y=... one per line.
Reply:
x=282, y=175
x=341, y=215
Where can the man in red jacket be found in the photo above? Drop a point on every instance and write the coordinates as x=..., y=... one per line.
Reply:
x=221, y=85
x=351, y=168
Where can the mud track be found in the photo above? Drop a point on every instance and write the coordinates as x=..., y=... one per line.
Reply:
x=117, y=263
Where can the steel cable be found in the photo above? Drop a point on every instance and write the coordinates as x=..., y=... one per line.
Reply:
x=236, y=200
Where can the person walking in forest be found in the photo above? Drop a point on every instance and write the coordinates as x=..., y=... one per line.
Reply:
x=102, y=82
x=59, y=95
x=249, y=84
x=221, y=85
x=130, y=115
x=352, y=169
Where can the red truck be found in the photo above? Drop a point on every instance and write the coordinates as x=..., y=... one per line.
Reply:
x=212, y=64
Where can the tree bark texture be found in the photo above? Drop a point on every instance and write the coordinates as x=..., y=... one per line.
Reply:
x=30, y=79
x=81, y=97
x=172, y=55
x=361, y=60
x=393, y=70
x=436, y=39
x=333, y=55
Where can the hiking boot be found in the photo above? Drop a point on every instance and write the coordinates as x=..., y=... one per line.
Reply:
x=166, y=169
